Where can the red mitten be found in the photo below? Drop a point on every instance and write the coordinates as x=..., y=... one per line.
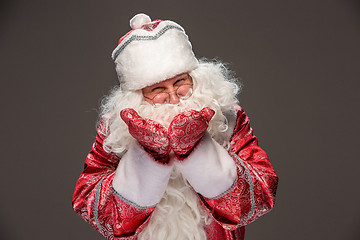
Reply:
x=150, y=134
x=187, y=129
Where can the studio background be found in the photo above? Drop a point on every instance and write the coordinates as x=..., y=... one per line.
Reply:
x=298, y=62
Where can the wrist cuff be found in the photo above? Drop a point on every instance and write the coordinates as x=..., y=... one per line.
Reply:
x=140, y=179
x=210, y=169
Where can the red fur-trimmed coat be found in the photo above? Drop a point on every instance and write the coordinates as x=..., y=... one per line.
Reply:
x=251, y=196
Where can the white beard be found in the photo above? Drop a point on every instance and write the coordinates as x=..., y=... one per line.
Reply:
x=179, y=214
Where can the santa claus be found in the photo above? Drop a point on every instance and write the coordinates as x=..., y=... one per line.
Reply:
x=174, y=156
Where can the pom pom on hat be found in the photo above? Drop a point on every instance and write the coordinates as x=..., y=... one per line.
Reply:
x=139, y=20
x=151, y=52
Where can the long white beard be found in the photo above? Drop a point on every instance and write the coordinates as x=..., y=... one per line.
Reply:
x=179, y=214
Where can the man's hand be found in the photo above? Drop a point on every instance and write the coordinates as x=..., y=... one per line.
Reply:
x=150, y=134
x=187, y=129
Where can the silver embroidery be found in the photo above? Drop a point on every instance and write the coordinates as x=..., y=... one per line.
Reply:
x=140, y=38
x=226, y=191
x=97, y=199
x=131, y=202
x=252, y=197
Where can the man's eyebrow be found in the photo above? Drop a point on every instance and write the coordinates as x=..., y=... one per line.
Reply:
x=156, y=85
x=181, y=77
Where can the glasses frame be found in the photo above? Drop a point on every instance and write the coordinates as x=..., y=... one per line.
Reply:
x=190, y=89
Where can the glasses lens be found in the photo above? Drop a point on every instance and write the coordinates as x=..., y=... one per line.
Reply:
x=160, y=97
x=184, y=91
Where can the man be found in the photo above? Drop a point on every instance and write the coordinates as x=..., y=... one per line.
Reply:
x=174, y=156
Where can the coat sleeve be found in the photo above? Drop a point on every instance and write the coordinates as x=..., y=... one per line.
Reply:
x=96, y=201
x=253, y=193
x=236, y=186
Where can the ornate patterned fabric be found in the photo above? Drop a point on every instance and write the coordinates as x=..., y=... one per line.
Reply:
x=251, y=196
x=150, y=134
x=187, y=129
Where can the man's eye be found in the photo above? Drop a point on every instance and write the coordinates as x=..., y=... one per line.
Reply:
x=179, y=82
x=157, y=89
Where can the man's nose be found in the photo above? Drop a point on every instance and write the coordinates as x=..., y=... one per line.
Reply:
x=174, y=99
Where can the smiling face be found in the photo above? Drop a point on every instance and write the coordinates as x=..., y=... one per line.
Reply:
x=169, y=90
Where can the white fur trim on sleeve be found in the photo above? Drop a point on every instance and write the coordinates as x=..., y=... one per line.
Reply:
x=139, y=179
x=210, y=169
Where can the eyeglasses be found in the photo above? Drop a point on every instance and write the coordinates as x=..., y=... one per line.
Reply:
x=183, y=91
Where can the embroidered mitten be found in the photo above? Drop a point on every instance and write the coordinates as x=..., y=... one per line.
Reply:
x=187, y=129
x=150, y=134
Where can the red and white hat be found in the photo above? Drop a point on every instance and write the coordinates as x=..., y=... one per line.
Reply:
x=152, y=52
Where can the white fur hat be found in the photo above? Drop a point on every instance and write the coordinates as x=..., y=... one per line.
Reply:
x=152, y=52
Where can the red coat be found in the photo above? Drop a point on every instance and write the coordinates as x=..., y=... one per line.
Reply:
x=252, y=196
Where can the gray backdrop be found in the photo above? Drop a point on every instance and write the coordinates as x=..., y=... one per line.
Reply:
x=298, y=62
